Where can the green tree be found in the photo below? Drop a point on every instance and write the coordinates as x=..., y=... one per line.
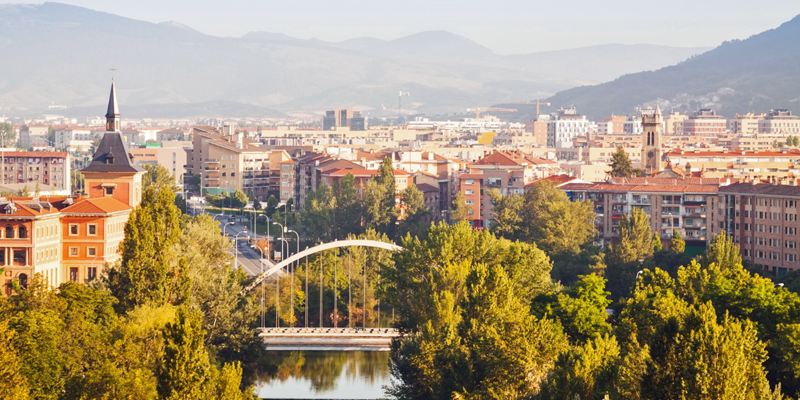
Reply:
x=416, y=213
x=722, y=252
x=657, y=245
x=51, y=135
x=272, y=205
x=581, y=310
x=458, y=208
x=347, y=212
x=184, y=370
x=625, y=258
x=677, y=244
x=380, y=194
x=8, y=138
x=318, y=214
x=238, y=199
x=151, y=271
x=461, y=297
x=584, y=372
x=158, y=177
x=13, y=381
x=506, y=214
x=620, y=164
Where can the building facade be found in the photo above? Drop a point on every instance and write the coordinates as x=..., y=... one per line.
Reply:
x=762, y=220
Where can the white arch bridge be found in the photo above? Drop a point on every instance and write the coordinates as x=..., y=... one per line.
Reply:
x=316, y=249
x=322, y=338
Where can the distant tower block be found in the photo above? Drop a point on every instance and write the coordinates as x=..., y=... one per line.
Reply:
x=651, y=142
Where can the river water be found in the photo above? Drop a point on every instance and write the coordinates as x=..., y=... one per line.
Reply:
x=325, y=375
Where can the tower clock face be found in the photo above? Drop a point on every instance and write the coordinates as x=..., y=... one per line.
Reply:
x=650, y=154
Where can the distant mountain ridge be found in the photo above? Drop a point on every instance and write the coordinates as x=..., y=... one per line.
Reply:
x=61, y=54
x=756, y=74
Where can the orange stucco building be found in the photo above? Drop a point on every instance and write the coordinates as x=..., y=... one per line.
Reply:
x=72, y=239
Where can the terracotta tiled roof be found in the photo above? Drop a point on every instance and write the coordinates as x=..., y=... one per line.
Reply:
x=362, y=172
x=557, y=179
x=35, y=154
x=734, y=153
x=102, y=205
x=424, y=187
x=470, y=176
x=762, y=189
x=666, y=181
x=607, y=187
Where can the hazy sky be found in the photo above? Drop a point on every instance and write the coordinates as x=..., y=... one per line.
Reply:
x=507, y=27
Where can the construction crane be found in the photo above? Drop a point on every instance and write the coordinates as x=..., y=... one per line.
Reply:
x=537, y=102
x=479, y=109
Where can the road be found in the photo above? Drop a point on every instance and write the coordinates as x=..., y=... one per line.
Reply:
x=248, y=258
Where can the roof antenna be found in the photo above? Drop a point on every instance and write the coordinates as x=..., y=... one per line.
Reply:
x=112, y=69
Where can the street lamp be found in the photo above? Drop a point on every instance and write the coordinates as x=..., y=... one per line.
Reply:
x=92, y=267
x=291, y=273
x=236, y=248
x=225, y=227
x=282, y=236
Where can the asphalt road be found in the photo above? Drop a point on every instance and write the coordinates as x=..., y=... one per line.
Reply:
x=248, y=258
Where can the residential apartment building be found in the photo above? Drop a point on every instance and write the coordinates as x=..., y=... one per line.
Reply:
x=614, y=125
x=762, y=220
x=783, y=164
x=31, y=136
x=566, y=125
x=780, y=122
x=401, y=178
x=74, y=136
x=29, y=167
x=171, y=155
x=686, y=205
x=538, y=131
x=227, y=161
x=673, y=124
x=705, y=122
x=507, y=172
x=745, y=123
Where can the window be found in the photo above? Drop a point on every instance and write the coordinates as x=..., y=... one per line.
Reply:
x=791, y=257
x=23, y=281
x=233, y=157
x=20, y=258
x=91, y=251
x=91, y=273
x=747, y=227
x=285, y=184
x=285, y=167
x=746, y=213
x=791, y=231
x=9, y=232
x=91, y=229
x=73, y=229
x=285, y=194
x=23, y=232
x=73, y=251
x=73, y=274
x=108, y=191
x=469, y=182
x=285, y=176
x=468, y=192
x=470, y=202
x=224, y=157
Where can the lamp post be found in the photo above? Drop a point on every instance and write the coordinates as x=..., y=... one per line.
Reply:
x=283, y=257
x=225, y=227
x=95, y=259
x=236, y=248
x=291, y=273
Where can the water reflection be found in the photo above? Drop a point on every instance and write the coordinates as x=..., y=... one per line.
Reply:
x=325, y=374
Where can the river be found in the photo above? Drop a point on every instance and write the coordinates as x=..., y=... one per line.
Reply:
x=325, y=375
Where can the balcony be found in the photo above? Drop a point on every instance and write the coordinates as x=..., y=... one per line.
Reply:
x=676, y=202
x=620, y=200
x=640, y=201
x=694, y=203
x=211, y=161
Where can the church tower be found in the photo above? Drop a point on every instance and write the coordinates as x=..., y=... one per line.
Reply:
x=651, y=142
x=112, y=114
x=112, y=172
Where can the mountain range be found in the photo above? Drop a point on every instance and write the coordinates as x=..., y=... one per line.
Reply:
x=756, y=74
x=59, y=54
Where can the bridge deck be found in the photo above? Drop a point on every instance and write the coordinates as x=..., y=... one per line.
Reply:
x=328, y=339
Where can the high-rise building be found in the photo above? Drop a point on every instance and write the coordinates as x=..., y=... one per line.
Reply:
x=344, y=117
x=565, y=126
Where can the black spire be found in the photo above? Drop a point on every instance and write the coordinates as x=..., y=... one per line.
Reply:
x=112, y=114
